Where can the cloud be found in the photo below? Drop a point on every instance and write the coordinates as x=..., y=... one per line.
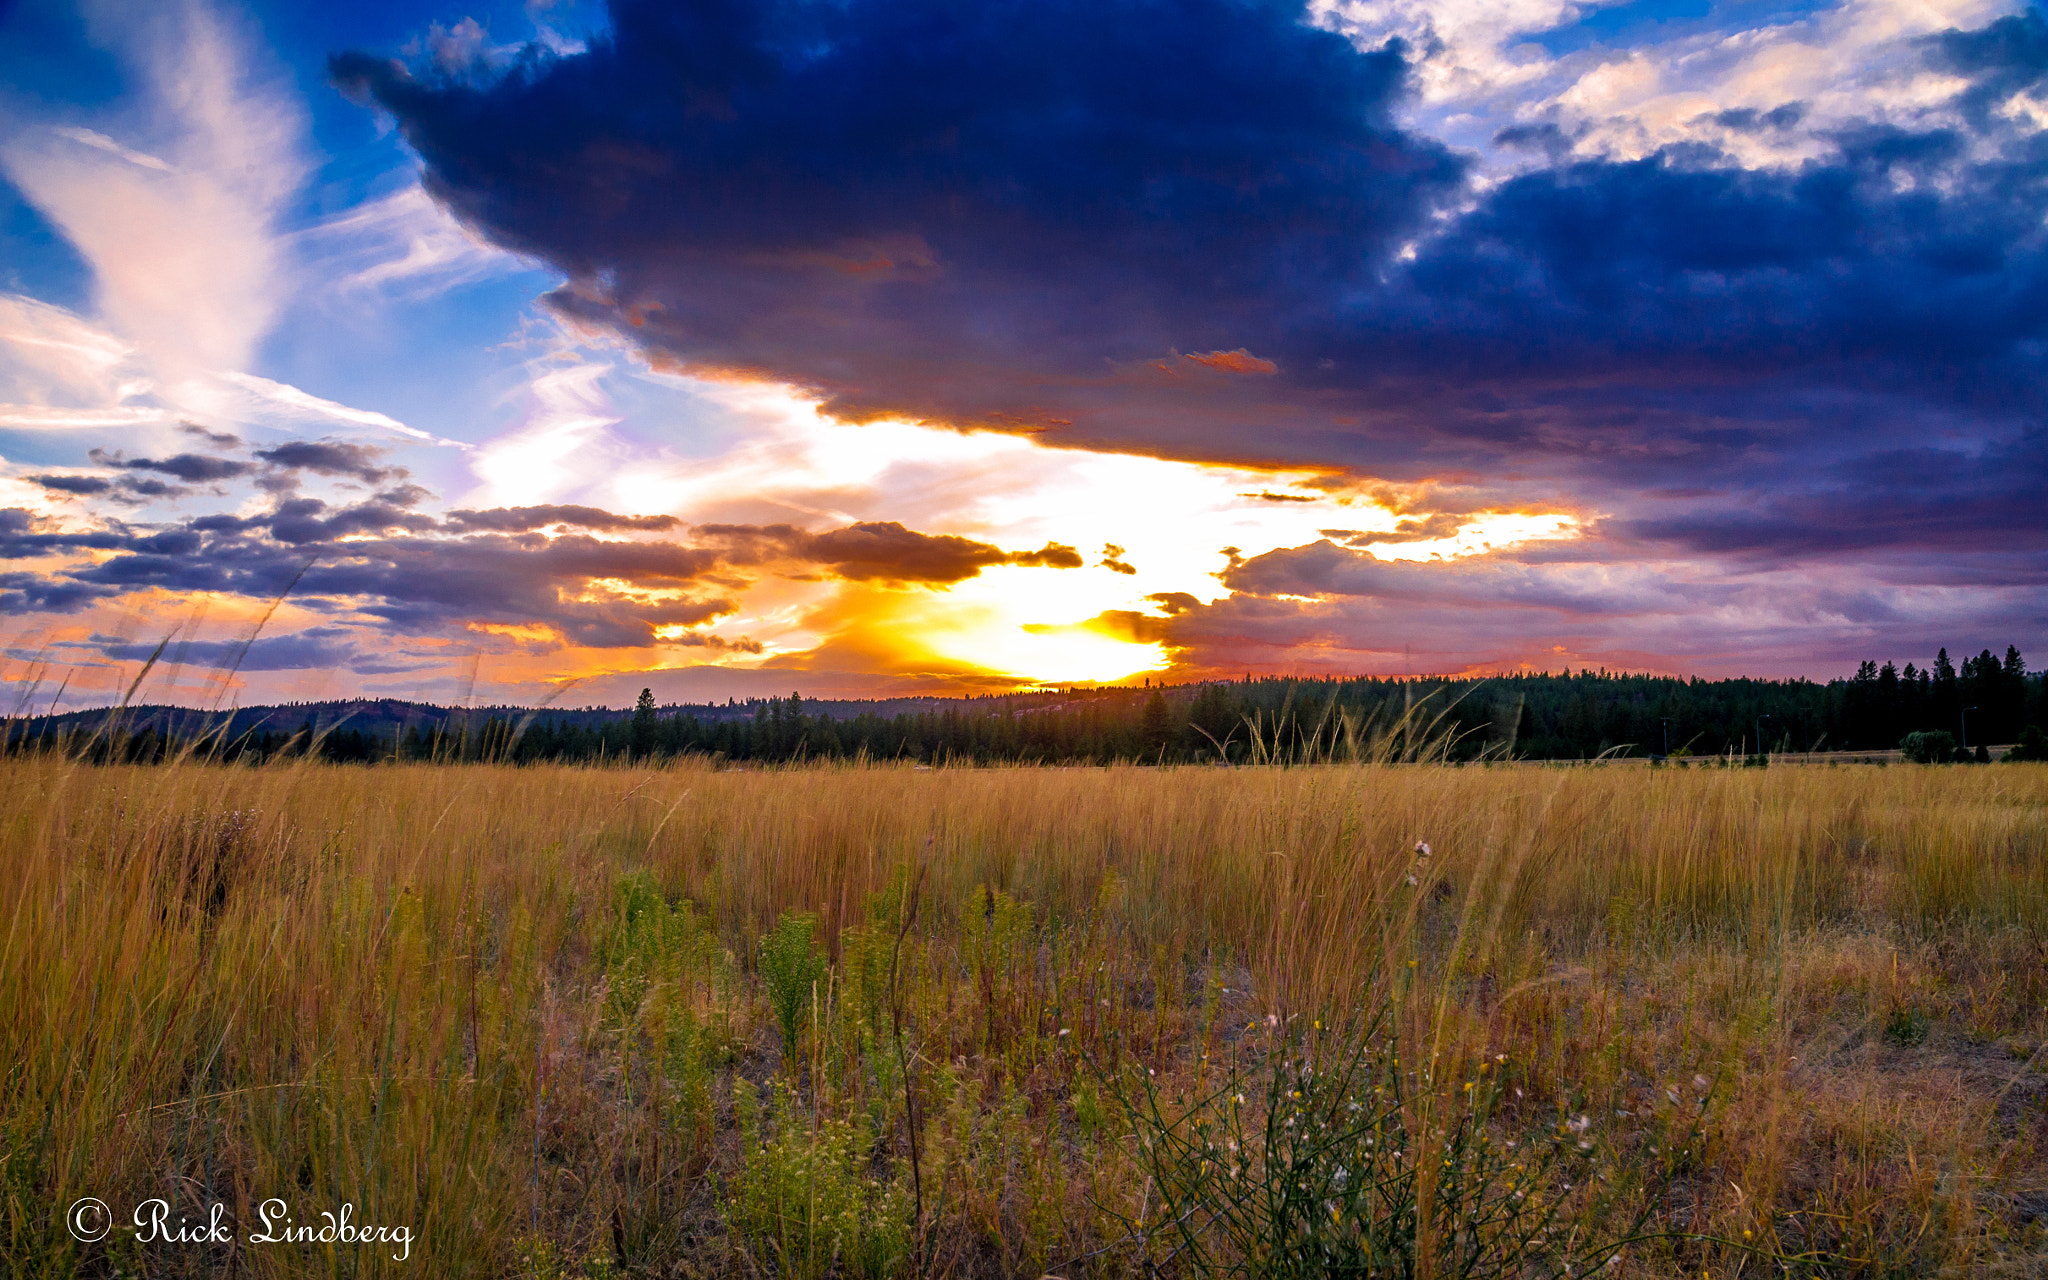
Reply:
x=401, y=245
x=178, y=220
x=1902, y=500
x=332, y=458
x=1429, y=528
x=1322, y=569
x=196, y=468
x=383, y=559
x=60, y=372
x=1761, y=309
x=218, y=439
x=300, y=521
x=1622, y=81
x=129, y=490
x=393, y=568
x=271, y=397
x=100, y=140
x=311, y=648
x=899, y=207
x=561, y=442
x=1013, y=217
x=49, y=355
x=1053, y=555
x=523, y=519
x=883, y=551
x=22, y=417
x=81, y=485
x=1238, y=361
x=1322, y=608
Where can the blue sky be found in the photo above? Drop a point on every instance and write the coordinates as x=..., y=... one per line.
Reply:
x=940, y=348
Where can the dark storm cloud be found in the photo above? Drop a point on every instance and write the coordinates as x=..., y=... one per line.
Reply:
x=24, y=535
x=923, y=206
x=1918, y=498
x=2007, y=57
x=1020, y=215
x=421, y=585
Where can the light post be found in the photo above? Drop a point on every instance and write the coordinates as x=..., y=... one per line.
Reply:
x=1666, y=721
x=1760, y=736
x=1966, y=727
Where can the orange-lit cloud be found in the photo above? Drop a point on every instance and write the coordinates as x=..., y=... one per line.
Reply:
x=1238, y=361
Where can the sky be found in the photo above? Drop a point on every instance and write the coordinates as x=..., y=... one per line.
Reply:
x=546, y=352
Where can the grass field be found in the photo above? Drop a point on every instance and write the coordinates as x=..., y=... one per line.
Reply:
x=872, y=1021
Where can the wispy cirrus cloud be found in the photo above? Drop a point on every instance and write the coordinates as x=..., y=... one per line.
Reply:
x=177, y=197
x=179, y=221
x=402, y=245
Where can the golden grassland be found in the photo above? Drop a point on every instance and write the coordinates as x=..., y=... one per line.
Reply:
x=543, y=1017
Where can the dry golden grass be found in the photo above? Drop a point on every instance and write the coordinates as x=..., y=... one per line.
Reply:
x=474, y=1002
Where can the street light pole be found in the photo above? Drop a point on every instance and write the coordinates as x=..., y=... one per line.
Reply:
x=1667, y=733
x=1760, y=735
x=1966, y=727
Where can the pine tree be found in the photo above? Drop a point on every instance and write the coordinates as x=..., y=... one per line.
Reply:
x=1154, y=725
x=643, y=725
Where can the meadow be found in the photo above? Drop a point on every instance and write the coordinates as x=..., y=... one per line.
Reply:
x=857, y=1020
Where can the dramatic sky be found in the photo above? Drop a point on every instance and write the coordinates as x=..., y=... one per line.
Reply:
x=455, y=348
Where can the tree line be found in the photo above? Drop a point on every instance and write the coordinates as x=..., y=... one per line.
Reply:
x=1941, y=712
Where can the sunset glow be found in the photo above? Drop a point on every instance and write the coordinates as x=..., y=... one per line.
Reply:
x=1438, y=338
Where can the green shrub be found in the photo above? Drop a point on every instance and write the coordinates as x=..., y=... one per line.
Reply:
x=1906, y=1027
x=1936, y=747
x=791, y=968
x=801, y=1198
x=1350, y=1162
x=647, y=941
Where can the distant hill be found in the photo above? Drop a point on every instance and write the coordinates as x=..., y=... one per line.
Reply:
x=390, y=718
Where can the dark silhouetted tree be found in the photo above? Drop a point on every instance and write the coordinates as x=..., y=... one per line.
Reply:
x=643, y=725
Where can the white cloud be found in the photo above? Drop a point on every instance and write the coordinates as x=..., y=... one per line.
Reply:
x=190, y=266
x=35, y=417
x=562, y=446
x=59, y=372
x=1480, y=71
x=94, y=139
x=50, y=356
x=278, y=399
x=402, y=244
x=180, y=236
